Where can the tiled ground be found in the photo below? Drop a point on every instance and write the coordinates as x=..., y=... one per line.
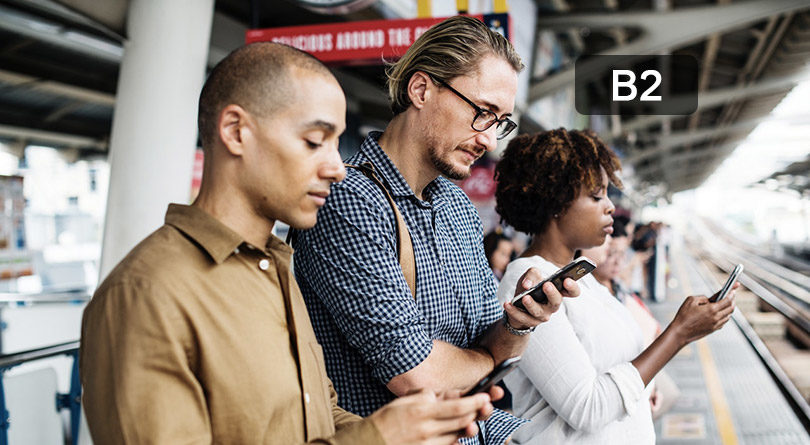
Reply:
x=726, y=394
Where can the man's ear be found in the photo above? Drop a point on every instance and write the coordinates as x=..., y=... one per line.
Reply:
x=233, y=127
x=420, y=87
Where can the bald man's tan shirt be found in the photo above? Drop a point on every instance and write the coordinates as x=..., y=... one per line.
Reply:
x=198, y=337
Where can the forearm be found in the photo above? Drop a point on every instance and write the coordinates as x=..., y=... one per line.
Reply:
x=446, y=367
x=658, y=354
x=500, y=343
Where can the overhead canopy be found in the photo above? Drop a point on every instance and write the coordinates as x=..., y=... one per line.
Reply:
x=795, y=176
x=60, y=66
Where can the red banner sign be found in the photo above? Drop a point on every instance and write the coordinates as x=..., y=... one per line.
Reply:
x=480, y=185
x=367, y=42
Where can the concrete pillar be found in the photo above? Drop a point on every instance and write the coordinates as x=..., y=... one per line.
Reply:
x=523, y=14
x=154, y=128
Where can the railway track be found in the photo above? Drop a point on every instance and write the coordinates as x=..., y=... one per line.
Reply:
x=779, y=290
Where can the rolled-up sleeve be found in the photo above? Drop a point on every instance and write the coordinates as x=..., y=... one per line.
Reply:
x=349, y=262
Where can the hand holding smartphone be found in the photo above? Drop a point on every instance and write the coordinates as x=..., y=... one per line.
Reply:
x=729, y=283
x=497, y=374
x=575, y=270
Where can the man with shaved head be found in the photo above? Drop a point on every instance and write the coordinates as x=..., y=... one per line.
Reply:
x=200, y=335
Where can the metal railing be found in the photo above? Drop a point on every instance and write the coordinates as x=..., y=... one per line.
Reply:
x=70, y=401
x=72, y=295
x=786, y=386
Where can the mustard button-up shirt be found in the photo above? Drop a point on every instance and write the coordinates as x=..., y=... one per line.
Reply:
x=198, y=337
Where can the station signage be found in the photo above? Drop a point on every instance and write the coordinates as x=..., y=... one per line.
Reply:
x=361, y=43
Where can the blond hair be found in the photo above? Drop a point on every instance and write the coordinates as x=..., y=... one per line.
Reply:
x=445, y=51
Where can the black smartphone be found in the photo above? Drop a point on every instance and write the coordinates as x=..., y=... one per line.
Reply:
x=497, y=374
x=730, y=282
x=575, y=270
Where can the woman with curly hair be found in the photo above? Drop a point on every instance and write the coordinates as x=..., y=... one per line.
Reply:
x=584, y=375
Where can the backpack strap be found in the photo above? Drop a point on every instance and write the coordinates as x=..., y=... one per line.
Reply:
x=405, y=253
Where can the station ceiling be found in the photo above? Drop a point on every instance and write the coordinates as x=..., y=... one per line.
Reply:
x=59, y=69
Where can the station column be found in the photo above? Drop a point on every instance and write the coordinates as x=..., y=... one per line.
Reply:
x=154, y=129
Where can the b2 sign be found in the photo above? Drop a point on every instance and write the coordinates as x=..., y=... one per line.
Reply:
x=636, y=85
x=627, y=79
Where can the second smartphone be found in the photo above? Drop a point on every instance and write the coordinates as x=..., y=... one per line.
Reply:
x=575, y=270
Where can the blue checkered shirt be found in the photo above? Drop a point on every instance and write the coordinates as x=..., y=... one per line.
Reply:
x=363, y=312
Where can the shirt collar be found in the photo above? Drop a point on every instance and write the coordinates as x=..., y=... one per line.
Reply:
x=385, y=168
x=390, y=175
x=210, y=234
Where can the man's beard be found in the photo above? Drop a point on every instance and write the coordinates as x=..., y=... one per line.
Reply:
x=445, y=168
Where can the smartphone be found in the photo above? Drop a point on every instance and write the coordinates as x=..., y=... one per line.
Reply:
x=497, y=374
x=575, y=270
x=730, y=282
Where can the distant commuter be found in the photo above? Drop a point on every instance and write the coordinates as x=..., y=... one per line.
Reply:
x=200, y=334
x=583, y=376
x=609, y=259
x=452, y=94
x=498, y=248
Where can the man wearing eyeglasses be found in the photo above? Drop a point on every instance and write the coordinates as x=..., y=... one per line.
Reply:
x=452, y=95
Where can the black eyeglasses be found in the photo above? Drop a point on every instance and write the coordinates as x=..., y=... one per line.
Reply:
x=484, y=118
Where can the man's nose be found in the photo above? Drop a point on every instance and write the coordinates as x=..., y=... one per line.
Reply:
x=333, y=169
x=488, y=138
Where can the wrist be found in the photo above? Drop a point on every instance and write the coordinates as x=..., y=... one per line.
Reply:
x=516, y=330
x=675, y=333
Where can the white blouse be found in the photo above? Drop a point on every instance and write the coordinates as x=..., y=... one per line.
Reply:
x=575, y=382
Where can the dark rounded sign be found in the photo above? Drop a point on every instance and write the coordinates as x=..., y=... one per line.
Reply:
x=334, y=6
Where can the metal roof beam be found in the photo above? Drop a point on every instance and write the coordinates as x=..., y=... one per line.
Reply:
x=719, y=96
x=27, y=135
x=57, y=34
x=57, y=88
x=680, y=138
x=663, y=31
x=685, y=158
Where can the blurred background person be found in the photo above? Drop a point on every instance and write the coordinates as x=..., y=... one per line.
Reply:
x=499, y=249
x=609, y=259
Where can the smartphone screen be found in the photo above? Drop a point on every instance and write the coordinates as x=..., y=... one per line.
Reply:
x=575, y=270
x=730, y=282
x=497, y=374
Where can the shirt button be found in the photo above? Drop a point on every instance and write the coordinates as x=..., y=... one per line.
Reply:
x=306, y=397
x=264, y=264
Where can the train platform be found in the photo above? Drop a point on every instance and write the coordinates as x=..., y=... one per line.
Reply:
x=727, y=393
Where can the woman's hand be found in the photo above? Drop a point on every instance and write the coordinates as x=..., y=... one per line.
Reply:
x=536, y=313
x=698, y=316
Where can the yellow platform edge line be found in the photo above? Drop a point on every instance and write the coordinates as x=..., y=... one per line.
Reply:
x=722, y=414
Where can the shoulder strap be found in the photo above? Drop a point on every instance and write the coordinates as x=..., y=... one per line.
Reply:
x=405, y=253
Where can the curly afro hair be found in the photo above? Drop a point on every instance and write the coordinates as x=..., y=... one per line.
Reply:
x=540, y=175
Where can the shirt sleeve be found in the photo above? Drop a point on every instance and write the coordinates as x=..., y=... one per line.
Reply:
x=138, y=385
x=342, y=417
x=363, y=432
x=348, y=261
x=557, y=365
x=350, y=428
x=492, y=309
